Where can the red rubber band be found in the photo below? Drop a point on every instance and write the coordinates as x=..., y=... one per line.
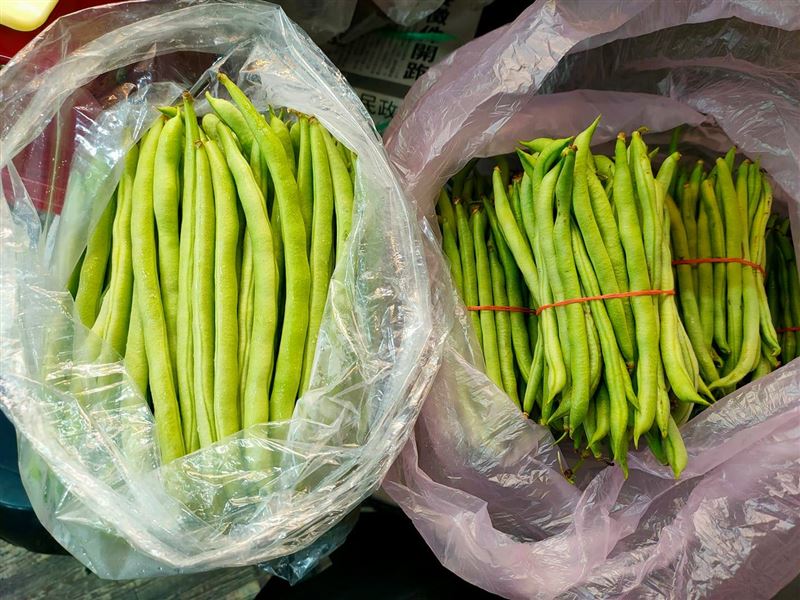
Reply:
x=787, y=329
x=700, y=261
x=605, y=297
x=517, y=309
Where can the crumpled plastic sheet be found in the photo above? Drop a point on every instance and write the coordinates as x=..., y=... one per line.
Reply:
x=481, y=483
x=408, y=12
x=71, y=103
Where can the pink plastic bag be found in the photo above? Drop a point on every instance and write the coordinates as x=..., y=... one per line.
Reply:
x=483, y=484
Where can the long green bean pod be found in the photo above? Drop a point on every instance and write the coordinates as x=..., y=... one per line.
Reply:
x=95, y=262
x=226, y=322
x=688, y=300
x=120, y=286
x=733, y=249
x=297, y=273
x=584, y=216
x=519, y=331
x=322, y=244
x=305, y=183
x=717, y=235
x=281, y=130
x=644, y=308
x=491, y=354
x=166, y=198
x=467, y=249
x=135, y=352
x=184, y=340
x=203, y=304
x=233, y=118
x=148, y=299
x=614, y=376
x=502, y=324
x=256, y=408
x=342, y=193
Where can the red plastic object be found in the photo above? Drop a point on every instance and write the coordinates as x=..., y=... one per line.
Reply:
x=12, y=41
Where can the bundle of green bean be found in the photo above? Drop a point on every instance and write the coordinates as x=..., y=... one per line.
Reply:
x=209, y=269
x=723, y=215
x=577, y=226
x=783, y=287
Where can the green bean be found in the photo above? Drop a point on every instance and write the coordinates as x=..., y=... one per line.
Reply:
x=305, y=181
x=595, y=354
x=321, y=244
x=166, y=197
x=297, y=273
x=537, y=144
x=555, y=244
x=763, y=368
x=604, y=216
x=209, y=125
x=717, y=235
x=656, y=445
x=705, y=279
x=245, y=316
x=258, y=174
x=792, y=285
x=135, y=352
x=450, y=248
x=779, y=291
x=584, y=216
x=604, y=166
x=485, y=297
x=280, y=130
x=203, y=305
x=501, y=162
x=460, y=178
x=753, y=193
x=546, y=159
x=528, y=162
x=589, y=426
x=733, y=248
x=651, y=214
x=120, y=286
x=467, y=250
x=255, y=405
x=516, y=201
x=602, y=415
x=148, y=299
x=683, y=384
x=185, y=343
x=533, y=389
x=168, y=111
x=538, y=286
x=689, y=211
x=730, y=157
x=343, y=194
x=615, y=371
x=294, y=135
x=233, y=118
x=751, y=343
x=676, y=450
x=644, y=310
x=519, y=332
x=667, y=171
x=226, y=322
x=502, y=324
x=93, y=269
x=691, y=312
x=757, y=245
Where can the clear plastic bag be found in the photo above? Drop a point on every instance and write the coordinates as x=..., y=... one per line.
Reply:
x=70, y=105
x=483, y=484
x=408, y=12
